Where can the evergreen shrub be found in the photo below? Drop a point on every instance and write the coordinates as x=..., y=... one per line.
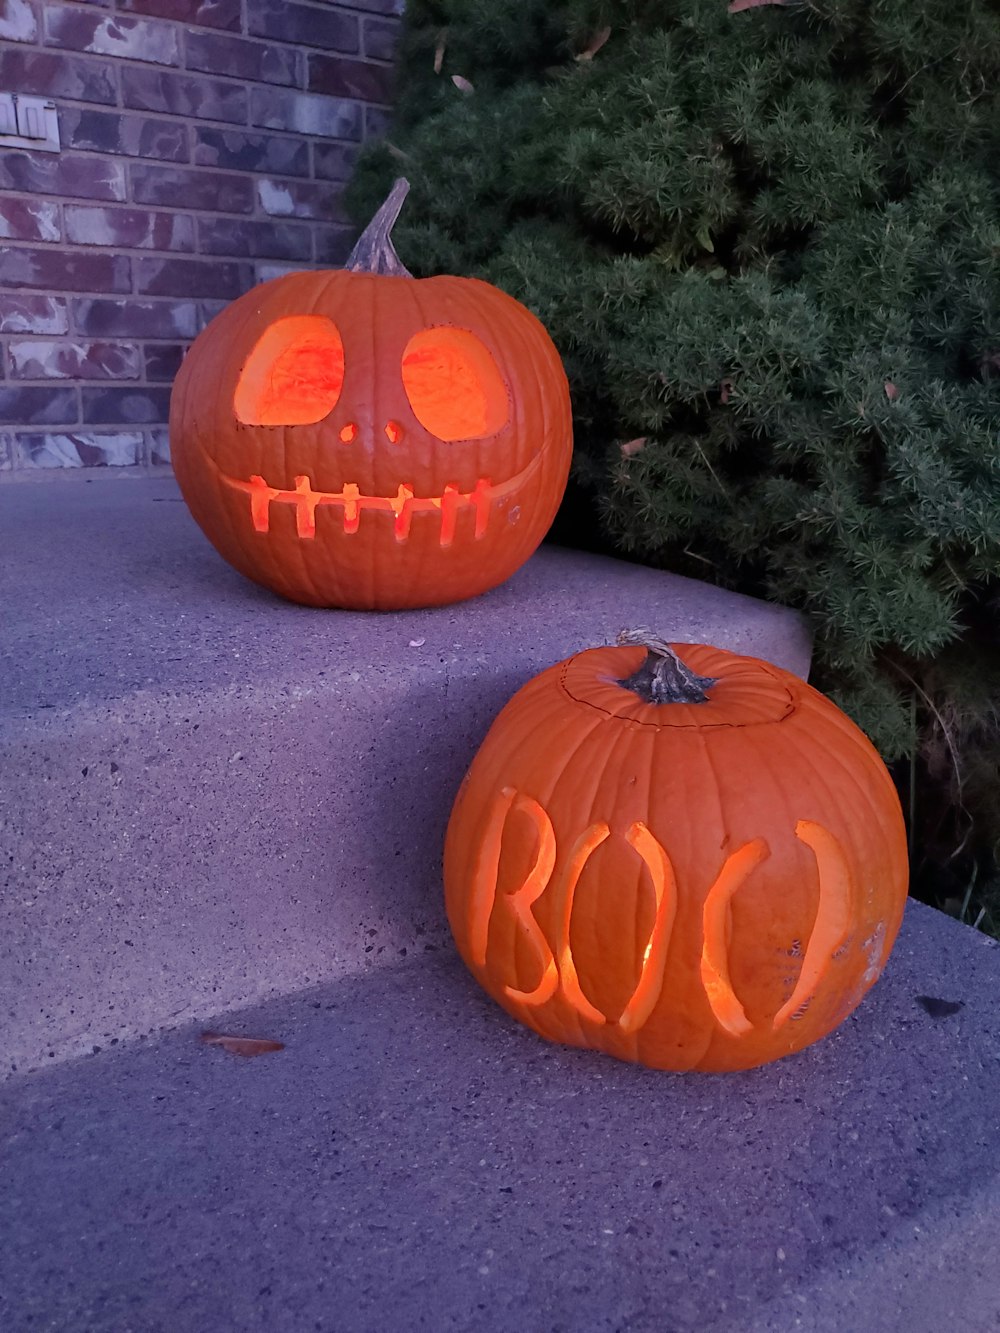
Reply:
x=766, y=243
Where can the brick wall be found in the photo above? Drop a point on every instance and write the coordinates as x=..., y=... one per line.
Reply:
x=205, y=144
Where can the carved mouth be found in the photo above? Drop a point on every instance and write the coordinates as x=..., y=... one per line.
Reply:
x=347, y=504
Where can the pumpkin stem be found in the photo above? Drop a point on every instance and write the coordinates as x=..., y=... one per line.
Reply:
x=375, y=252
x=663, y=678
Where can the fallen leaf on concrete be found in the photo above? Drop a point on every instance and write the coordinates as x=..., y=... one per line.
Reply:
x=417, y=643
x=940, y=1008
x=246, y=1046
x=594, y=45
x=462, y=83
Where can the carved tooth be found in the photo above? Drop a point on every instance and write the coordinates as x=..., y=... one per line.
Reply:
x=403, y=511
x=306, y=500
x=261, y=496
x=350, y=495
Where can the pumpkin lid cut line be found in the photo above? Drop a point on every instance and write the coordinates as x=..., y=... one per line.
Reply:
x=606, y=692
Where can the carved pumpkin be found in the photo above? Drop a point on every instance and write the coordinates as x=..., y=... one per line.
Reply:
x=361, y=438
x=695, y=862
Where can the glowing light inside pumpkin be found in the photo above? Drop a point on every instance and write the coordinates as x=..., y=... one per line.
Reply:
x=559, y=972
x=403, y=505
x=716, y=925
x=453, y=385
x=393, y=432
x=294, y=375
x=348, y=432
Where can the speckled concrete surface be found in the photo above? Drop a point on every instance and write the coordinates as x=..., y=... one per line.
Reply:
x=210, y=795
x=415, y=1160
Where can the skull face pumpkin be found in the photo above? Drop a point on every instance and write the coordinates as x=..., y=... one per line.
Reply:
x=362, y=438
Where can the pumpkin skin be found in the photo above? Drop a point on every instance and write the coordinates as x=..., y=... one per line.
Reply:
x=693, y=886
x=340, y=495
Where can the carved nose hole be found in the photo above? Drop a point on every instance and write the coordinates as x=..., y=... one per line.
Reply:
x=393, y=432
x=349, y=432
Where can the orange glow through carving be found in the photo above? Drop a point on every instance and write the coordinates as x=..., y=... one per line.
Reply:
x=583, y=850
x=559, y=973
x=650, y=983
x=453, y=385
x=403, y=505
x=294, y=375
x=715, y=948
x=833, y=916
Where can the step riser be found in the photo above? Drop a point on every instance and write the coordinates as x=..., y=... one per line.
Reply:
x=181, y=865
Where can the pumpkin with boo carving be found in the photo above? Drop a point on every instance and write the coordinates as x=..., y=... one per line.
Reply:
x=362, y=438
x=676, y=855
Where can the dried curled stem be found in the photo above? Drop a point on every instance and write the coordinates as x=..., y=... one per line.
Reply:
x=375, y=252
x=663, y=678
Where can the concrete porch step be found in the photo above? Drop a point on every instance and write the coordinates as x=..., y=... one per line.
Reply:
x=209, y=795
x=413, y=1159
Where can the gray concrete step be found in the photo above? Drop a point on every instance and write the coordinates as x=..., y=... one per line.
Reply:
x=209, y=795
x=413, y=1159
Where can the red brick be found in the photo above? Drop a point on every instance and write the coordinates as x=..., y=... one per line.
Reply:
x=250, y=152
x=18, y=22
x=305, y=113
x=206, y=13
x=47, y=173
x=131, y=228
x=339, y=77
x=131, y=136
x=125, y=406
x=306, y=25
x=134, y=318
x=111, y=35
x=215, y=191
x=65, y=270
x=334, y=161
x=162, y=360
x=259, y=62
x=30, y=220
x=158, y=447
x=207, y=311
x=333, y=245
x=33, y=314
x=268, y=269
x=6, y=451
x=301, y=199
x=380, y=38
x=59, y=358
x=191, y=277
x=28, y=405
x=80, y=449
x=183, y=95
x=378, y=6
x=236, y=237
x=51, y=74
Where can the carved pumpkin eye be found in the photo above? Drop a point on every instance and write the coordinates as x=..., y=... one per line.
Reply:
x=294, y=375
x=453, y=385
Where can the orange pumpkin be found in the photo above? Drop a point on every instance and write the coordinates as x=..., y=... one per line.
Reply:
x=693, y=861
x=361, y=438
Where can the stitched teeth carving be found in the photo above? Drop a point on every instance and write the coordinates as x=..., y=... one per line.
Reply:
x=403, y=505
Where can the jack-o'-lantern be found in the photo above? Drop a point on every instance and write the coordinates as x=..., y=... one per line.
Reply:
x=676, y=855
x=363, y=438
